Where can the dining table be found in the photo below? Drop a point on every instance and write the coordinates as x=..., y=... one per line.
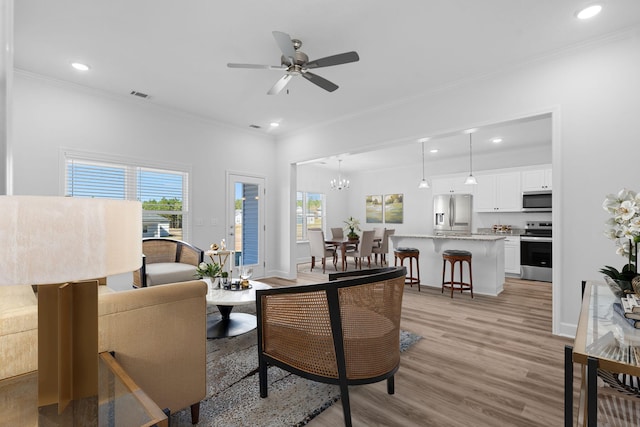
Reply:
x=342, y=245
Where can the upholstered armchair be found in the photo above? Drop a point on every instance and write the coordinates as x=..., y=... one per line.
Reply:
x=344, y=332
x=166, y=261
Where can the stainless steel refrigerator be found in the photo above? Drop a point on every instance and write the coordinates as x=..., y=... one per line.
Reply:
x=452, y=213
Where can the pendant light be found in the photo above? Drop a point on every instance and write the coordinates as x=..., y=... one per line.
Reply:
x=423, y=184
x=471, y=180
x=340, y=183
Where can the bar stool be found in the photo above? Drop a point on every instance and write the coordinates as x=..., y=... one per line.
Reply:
x=454, y=256
x=412, y=254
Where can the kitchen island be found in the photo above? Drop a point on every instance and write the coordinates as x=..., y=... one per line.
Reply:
x=487, y=261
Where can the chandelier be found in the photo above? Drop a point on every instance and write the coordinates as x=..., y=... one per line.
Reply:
x=340, y=183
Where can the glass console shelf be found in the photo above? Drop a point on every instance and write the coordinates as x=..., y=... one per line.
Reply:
x=120, y=402
x=604, y=341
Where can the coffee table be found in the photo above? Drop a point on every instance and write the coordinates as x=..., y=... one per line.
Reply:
x=229, y=324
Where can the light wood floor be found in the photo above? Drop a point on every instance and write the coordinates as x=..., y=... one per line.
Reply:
x=487, y=361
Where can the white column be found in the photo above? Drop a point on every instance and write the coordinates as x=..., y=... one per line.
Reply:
x=6, y=83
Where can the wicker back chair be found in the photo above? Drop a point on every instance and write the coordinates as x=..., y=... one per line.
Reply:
x=344, y=332
x=158, y=250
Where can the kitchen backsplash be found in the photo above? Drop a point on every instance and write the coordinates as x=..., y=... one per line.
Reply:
x=515, y=220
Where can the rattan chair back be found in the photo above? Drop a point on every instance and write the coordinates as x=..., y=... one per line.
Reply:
x=346, y=331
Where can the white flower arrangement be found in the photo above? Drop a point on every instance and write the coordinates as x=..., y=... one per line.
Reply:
x=352, y=225
x=624, y=229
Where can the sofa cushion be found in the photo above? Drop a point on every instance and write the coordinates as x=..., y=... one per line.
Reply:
x=161, y=273
x=18, y=330
x=15, y=297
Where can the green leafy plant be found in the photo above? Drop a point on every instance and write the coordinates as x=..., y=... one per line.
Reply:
x=208, y=269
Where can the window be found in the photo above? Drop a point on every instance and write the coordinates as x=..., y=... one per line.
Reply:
x=310, y=213
x=161, y=191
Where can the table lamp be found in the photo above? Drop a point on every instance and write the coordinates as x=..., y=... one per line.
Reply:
x=64, y=245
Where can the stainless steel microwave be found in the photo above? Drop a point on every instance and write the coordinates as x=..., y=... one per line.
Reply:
x=536, y=201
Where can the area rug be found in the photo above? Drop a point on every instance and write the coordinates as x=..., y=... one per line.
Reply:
x=233, y=397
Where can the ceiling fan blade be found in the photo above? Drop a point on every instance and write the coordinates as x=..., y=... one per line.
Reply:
x=341, y=58
x=285, y=44
x=280, y=84
x=257, y=66
x=320, y=81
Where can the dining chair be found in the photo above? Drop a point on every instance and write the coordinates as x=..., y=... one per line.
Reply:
x=378, y=235
x=337, y=233
x=320, y=250
x=383, y=249
x=364, y=249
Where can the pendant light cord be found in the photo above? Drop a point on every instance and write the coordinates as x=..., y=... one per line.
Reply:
x=423, y=160
x=470, y=157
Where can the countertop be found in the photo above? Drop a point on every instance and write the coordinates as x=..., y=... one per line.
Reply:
x=490, y=232
x=476, y=237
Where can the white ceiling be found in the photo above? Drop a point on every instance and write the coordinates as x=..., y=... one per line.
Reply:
x=177, y=51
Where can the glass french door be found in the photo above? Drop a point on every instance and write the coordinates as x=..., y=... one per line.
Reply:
x=245, y=222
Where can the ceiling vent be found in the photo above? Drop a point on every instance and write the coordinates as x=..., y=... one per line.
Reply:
x=255, y=126
x=139, y=94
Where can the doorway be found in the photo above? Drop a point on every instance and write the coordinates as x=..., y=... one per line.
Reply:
x=245, y=222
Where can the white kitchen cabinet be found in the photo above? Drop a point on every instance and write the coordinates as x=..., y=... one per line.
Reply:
x=512, y=255
x=451, y=185
x=536, y=180
x=498, y=193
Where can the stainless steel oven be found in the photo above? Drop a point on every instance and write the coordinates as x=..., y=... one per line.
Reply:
x=535, y=251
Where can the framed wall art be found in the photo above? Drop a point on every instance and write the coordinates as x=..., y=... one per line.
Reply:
x=374, y=209
x=393, y=208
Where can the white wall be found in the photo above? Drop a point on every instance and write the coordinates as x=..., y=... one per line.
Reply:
x=592, y=94
x=48, y=116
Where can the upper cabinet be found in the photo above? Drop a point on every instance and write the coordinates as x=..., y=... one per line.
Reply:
x=500, y=192
x=451, y=185
x=536, y=179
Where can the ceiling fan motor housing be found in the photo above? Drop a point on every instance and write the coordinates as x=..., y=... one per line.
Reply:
x=300, y=59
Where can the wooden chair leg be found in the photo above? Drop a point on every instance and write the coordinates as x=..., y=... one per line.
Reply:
x=195, y=413
x=453, y=267
x=470, y=280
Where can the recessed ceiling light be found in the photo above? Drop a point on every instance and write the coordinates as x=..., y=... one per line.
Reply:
x=80, y=66
x=274, y=124
x=589, y=11
x=433, y=150
x=496, y=140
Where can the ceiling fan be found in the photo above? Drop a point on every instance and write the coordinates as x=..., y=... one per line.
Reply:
x=296, y=63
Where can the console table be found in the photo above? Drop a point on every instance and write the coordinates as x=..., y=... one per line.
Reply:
x=604, y=340
x=119, y=402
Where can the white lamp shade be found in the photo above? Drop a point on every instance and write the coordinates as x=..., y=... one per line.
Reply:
x=48, y=240
x=423, y=184
x=471, y=180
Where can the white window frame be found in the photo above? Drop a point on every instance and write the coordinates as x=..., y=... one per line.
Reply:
x=305, y=214
x=132, y=165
